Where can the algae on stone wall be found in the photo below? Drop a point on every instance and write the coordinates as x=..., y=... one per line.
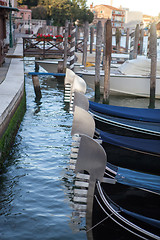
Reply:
x=8, y=137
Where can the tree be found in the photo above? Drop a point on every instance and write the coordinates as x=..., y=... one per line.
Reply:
x=60, y=10
x=71, y=10
x=80, y=3
x=39, y=12
x=85, y=15
x=29, y=3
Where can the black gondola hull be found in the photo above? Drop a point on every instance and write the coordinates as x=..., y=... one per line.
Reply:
x=132, y=159
x=111, y=222
x=126, y=127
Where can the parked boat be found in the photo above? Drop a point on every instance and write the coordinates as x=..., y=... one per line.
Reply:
x=133, y=153
x=121, y=223
x=129, y=152
x=72, y=83
x=115, y=209
x=140, y=114
x=126, y=127
x=51, y=65
x=127, y=80
x=126, y=121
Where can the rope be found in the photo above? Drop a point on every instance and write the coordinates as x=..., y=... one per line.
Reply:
x=101, y=220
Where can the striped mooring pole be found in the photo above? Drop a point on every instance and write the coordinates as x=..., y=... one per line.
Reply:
x=132, y=45
x=72, y=48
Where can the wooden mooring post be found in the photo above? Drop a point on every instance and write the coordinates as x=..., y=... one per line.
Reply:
x=131, y=53
x=65, y=46
x=127, y=40
x=36, y=68
x=141, y=41
x=91, y=39
x=98, y=60
x=84, y=58
x=118, y=39
x=148, y=44
x=107, y=60
x=153, y=56
x=36, y=85
x=136, y=41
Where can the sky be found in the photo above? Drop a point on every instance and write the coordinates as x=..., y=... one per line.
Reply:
x=148, y=7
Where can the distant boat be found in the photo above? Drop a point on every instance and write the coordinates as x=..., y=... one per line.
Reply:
x=51, y=65
x=131, y=78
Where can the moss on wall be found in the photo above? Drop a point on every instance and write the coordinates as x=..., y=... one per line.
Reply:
x=8, y=137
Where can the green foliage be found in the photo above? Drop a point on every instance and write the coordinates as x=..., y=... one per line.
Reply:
x=70, y=10
x=39, y=12
x=85, y=15
x=59, y=10
x=80, y=3
x=29, y=3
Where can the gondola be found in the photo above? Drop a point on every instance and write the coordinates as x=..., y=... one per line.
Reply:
x=126, y=127
x=116, y=210
x=140, y=114
x=134, y=124
x=133, y=153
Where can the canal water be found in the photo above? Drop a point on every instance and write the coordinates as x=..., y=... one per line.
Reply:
x=36, y=184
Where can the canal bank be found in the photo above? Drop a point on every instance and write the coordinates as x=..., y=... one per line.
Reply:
x=12, y=99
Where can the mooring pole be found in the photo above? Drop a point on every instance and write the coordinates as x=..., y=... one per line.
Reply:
x=136, y=42
x=91, y=39
x=118, y=39
x=36, y=85
x=107, y=60
x=65, y=46
x=127, y=40
x=131, y=54
x=141, y=41
x=104, y=46
x=153, y=56
x=76, y=38
x=84, y=59
x=36, y=68
x=98, y=60
x=60, y=67
x=148, y=44
x=72, y=47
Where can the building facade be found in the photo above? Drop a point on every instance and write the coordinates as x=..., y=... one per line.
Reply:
x=24, y=13
x=5, y=29
x=104, y=12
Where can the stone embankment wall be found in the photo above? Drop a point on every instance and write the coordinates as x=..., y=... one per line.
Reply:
x=12, y=103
